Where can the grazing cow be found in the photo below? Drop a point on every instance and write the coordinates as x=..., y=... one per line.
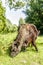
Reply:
x=32, y=36
x=27, y=34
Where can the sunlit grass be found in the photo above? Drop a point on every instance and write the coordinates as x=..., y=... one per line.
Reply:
x=29, y=57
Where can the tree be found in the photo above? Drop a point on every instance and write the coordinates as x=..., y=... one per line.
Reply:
x=35, y=13
x=16, y=4
x=2, y=17
x=5, y=24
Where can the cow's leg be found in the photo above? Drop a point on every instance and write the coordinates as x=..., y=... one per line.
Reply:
x=34, y=44
x=20, y=45
x=25, y=44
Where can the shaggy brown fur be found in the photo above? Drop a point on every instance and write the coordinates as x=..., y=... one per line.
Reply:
x=27, y=34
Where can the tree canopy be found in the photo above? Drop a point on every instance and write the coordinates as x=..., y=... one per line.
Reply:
x=16, y=4
x=35, y=13
x=5, y=24
x=2, y=17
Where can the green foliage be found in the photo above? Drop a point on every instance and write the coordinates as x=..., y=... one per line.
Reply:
x=2, y=17
x=1, y=25
x=35, y=13
x=15, y=4
x=21, y=21
x=9, y=27
x=19, y=5
x=5, y=25
x=2, y=9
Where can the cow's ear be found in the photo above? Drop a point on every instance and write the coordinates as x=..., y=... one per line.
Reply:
x=27, y=27
x=38, y=32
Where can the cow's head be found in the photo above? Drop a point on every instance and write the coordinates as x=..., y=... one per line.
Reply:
x=14, y=49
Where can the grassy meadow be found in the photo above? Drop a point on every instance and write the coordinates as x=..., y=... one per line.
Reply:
x=29, y=57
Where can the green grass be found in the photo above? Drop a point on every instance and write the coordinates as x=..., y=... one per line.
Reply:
x=29, y=57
